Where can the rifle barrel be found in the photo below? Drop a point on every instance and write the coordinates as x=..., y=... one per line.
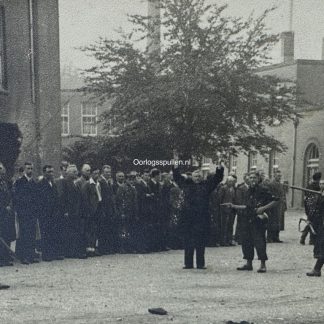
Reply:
x=306, y=190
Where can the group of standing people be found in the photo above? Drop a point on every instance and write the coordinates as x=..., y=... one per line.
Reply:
x=86, y=213
x=224, y=219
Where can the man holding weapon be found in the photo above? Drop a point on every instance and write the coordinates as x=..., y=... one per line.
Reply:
x=310, y=204
x=254, y=222
x=315, y=223
x=317, y=220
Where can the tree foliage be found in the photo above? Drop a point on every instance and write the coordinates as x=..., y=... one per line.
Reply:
x=202, y=94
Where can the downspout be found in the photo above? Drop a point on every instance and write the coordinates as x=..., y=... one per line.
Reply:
x=296, y=123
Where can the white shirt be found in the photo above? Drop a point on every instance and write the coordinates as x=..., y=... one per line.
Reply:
x=98, y=188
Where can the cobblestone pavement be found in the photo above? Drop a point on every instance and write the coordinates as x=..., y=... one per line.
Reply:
x=121, y=288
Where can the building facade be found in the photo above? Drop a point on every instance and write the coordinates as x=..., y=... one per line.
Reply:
x=303, y=137
x=30, y=77
x=80, y=115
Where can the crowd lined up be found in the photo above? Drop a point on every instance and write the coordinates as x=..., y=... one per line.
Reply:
x=87, y=212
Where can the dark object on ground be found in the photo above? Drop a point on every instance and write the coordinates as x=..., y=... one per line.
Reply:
x=3, y=287
x=242, y=322
x=157, y=311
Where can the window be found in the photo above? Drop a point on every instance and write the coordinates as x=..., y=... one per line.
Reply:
x=312, y=157
x=65, y=119
x=3, y=80
x=273, y=162
x=233, y=163
x=89, y=119
x=253, y=160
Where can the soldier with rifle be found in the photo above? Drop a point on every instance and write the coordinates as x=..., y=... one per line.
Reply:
x=317, y=220
x=254, y=222
x=311, y=205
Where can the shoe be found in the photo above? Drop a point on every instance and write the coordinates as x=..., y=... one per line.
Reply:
x=47, y=259
x=277, y=241
x=202, y=268
x=82, y=256
x=313, y=273
x=97, y=253
x=262, y=270
x=6, y=264
x=245, y=267
x=34, y=261
x=302, y=242
x=2, y=286
x=185, y=267
x=24, y=261
x=270, y=240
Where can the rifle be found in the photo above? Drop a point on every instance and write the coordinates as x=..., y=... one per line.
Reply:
x=306, y=190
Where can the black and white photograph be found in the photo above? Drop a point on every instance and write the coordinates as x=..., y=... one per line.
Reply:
x=161, y=161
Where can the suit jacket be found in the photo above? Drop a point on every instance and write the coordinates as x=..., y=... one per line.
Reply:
x=49, y=202
x=7, y=217
x=108, y=201
x=156, y=202
x=144, y=202
x=195, y=217
x=90, y=199
x=25, y=197
x=126, y=203
x=71, y=199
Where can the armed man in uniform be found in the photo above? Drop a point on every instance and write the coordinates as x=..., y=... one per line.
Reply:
x=317, y=221
x=253, y=222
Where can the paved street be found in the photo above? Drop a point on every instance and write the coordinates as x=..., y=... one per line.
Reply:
x=121, y=288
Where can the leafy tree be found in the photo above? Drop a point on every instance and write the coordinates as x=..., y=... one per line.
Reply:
x=200, y=94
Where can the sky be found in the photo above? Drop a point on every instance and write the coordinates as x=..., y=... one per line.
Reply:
x=83, y=21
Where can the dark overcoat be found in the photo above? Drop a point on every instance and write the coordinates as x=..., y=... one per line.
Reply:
x=195, y=220
x=7, y=218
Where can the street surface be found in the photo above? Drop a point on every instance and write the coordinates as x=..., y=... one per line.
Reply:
x=121, y=288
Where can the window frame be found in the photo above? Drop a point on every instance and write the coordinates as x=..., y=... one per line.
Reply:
x=68, y=119
x=95, y=116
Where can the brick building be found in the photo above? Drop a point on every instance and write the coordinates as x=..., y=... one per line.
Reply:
x=304, y=137
x=30, y=76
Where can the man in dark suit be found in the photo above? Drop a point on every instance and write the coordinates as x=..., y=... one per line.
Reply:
x=127, y=211
x=144, y=198
x=92, y=206
x=195, y=217
x=158, y=237
x=61, y=225
x=26, y=206
x=7, y=219
x=71, y=204
x=107, y=235
x=49, y=216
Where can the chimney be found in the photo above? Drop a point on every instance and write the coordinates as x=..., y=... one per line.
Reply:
x=287, y=47
x=154, y=34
